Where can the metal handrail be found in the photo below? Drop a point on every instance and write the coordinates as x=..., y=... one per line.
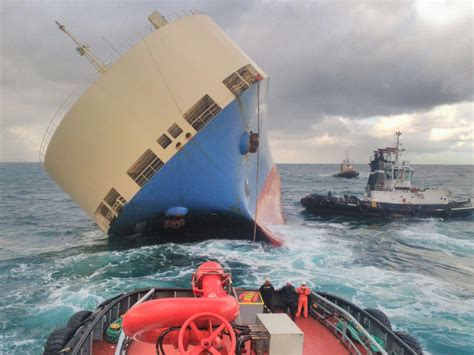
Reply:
x=122, y=337
x=356, y=324
x=183, y=13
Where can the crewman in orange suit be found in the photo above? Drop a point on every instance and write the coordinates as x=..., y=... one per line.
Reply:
x=303, y=292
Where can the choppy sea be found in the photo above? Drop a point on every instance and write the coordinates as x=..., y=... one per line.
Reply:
x=55, y=261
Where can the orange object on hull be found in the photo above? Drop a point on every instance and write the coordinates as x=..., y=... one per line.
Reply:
x=146, y=321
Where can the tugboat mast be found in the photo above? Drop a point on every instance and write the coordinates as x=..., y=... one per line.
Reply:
x=398, y=144
x=84, y=50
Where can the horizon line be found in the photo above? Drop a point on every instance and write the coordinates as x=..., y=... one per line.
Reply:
x=280, y=163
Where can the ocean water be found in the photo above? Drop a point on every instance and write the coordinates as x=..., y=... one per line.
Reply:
x=55, y=261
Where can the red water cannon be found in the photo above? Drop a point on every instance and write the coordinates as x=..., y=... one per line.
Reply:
x=204, y=319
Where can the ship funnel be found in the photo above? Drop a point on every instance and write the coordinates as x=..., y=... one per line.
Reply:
x=157, y=20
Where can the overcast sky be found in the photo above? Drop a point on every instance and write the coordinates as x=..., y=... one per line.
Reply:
x=344, y=75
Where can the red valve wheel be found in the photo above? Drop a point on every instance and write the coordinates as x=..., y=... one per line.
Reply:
x=208, y=338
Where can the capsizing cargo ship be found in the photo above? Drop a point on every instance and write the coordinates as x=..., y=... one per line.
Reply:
x=171, y=137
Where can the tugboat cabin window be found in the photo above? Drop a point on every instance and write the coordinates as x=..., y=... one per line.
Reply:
x=395, y=173
x=145, y=167
x=202, y=112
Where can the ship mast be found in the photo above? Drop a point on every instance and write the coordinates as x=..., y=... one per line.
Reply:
x=398, y=144
x=84, y=50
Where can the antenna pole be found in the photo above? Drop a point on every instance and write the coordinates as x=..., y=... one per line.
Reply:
x=397, y=134
x=84, y=50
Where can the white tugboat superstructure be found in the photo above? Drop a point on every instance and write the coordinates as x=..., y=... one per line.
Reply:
x=395, y=184
x=389, y=193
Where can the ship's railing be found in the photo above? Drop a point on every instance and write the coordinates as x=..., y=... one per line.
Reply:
x=346, y=317
x=183, y=13
x=324, y=306
x=110, y=311
x=112, y=58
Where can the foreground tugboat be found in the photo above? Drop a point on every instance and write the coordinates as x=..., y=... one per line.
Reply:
x=214, y=317
x=346, y=170
x=389, y=193
x=170, y=138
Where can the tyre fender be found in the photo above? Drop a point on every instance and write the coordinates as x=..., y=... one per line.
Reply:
x=77, y=319
x=363, y=207
x=57, y=340
x=411, y=341
x=386, y=212
x=448, y=210
x=380, y=316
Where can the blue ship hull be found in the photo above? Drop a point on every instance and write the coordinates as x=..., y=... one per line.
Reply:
x=211, y=177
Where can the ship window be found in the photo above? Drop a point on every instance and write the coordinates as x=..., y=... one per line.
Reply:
x=395, y=174
x=115, y=200
x=242, y=79
x=164, y=141
x=175, y=130
x=145, y=167
x=202, y=112
x=236, y=84
x=111, y=206
x=105, y=211
x=248, y=73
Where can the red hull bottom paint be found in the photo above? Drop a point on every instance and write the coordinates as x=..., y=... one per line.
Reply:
x=269, y=211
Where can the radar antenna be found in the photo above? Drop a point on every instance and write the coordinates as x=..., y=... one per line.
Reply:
x=84, y=50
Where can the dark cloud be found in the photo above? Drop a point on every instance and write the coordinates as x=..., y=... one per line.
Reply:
x=359, y=60
x=326, y=60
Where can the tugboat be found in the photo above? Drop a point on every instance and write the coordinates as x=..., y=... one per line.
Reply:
x=389, y=193
x=214, y=317
x=346, y=170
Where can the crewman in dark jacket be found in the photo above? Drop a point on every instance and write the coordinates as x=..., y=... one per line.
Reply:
x=289, y=299
x=266, y=290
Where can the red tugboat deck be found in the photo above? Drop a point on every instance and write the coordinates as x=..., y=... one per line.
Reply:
x=213, y=317
x=318, y=340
